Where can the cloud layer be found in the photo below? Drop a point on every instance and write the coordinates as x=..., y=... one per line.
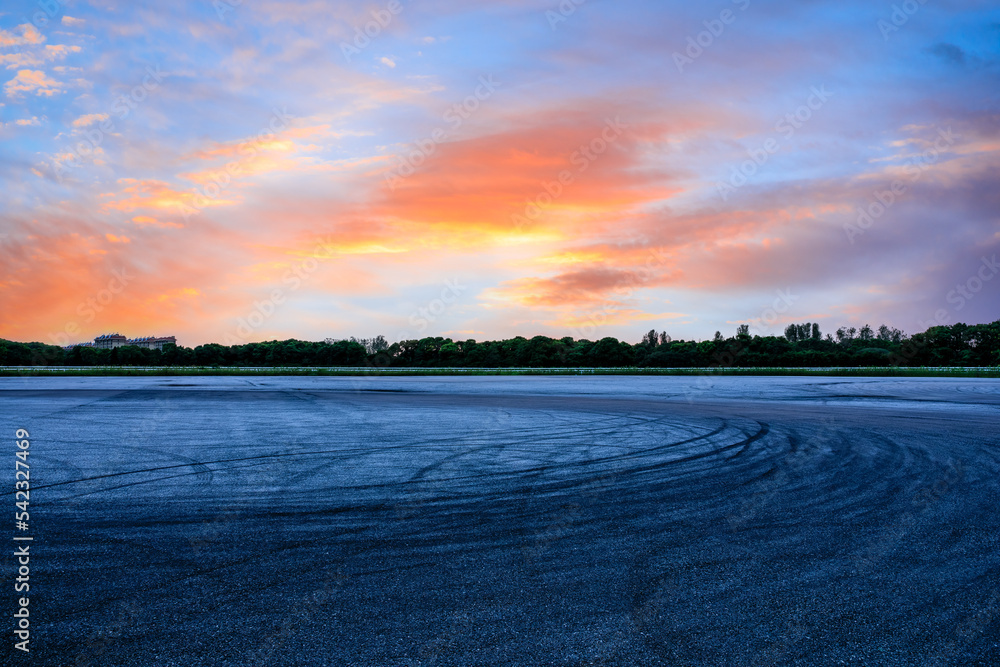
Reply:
x=250, y=171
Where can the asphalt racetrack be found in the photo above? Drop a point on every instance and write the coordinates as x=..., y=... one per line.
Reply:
x=508, y=521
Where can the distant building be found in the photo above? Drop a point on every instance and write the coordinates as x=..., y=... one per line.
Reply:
x=152, y=342
x=111, y=341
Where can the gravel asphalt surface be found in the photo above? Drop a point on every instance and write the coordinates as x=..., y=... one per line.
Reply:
x=409, y=522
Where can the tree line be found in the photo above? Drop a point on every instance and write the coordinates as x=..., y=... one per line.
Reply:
x=802, y=345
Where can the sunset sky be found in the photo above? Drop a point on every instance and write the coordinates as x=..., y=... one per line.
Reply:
x=244, y=171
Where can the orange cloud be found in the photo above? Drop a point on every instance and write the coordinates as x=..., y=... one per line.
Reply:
x=90, y=285
x=152, y=194
x=268, y=140
x=581, y=287
x=22, y=34
x=59, y=51
x=147, y=221
x=26, y=122
x=176, y=295
x=610, y=315
x=562, y=174
x=32, y=81
x=89, y=119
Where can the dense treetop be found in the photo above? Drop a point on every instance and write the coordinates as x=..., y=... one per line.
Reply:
x=802, y=345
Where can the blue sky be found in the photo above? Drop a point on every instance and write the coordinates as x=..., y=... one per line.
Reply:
x=276, y=177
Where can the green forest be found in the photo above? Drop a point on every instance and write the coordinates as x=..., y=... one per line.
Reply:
x=803, y=345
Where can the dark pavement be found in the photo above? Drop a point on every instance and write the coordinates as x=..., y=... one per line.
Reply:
x=510, y=521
